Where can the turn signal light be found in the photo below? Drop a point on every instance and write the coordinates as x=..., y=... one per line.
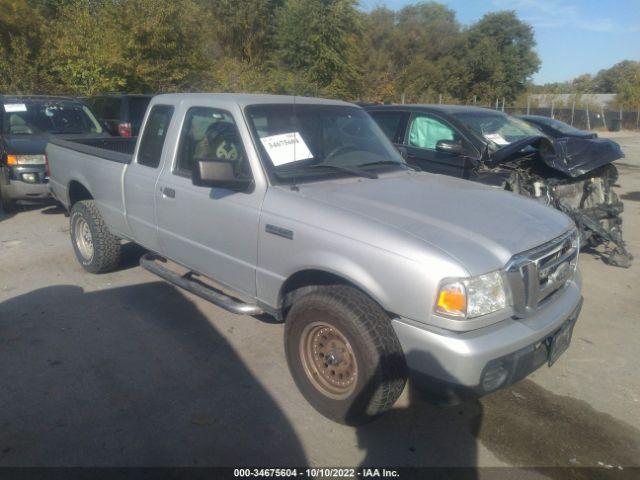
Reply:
x=452, y=300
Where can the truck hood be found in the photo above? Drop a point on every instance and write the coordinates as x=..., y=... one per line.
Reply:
x=572, y=156
x=480, y=226
x=25, y=144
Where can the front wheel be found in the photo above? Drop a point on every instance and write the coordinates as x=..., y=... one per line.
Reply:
x=97, y=250
x=344, y=355
x=7, y=205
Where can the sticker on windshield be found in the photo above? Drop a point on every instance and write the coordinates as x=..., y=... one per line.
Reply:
x=496, y=138
x=286, y=148
x=15, y=107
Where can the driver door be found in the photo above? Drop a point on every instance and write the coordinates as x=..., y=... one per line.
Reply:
x=421, y=137
x=212, y=231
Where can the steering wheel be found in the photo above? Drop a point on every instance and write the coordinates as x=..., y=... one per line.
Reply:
x=342, y=149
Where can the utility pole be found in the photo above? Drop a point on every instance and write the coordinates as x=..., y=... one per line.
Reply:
x=475, y=98
x=503, y=104
x=588, y=120
x=604, y=122
x=497, y=103
x=528, y=104
x=402, y=98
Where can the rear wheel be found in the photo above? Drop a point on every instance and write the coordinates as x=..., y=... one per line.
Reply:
x=344, y=355
x=97, y=250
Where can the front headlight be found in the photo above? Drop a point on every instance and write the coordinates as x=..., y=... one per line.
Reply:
x=26, y=160
x=472, y=297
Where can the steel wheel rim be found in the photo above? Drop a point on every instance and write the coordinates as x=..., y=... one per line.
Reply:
x=83, y=237
x=328, y=360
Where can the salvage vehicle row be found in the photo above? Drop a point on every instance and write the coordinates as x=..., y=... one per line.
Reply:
x=572, y=173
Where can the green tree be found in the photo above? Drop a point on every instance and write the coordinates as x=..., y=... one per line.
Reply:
x=134, y=45
x=375, y=56
x=316, y=40
x=23, y=67
x=499, y=56
x=244, y=30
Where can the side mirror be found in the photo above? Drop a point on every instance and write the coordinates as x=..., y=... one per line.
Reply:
x=218, y=174
x=449, y=146
x=403, y=152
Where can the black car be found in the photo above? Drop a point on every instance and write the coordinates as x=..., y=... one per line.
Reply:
x=121, y=113
x=26, y=122
x=574, y=175
x=555, y=128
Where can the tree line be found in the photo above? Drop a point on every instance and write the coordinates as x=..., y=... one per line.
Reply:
x=307, y=47
x=623, y=79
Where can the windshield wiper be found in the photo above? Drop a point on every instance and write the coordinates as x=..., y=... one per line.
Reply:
x=389, y=162
x=353, y=171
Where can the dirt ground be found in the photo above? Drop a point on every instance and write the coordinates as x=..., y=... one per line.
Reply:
x=126, y=370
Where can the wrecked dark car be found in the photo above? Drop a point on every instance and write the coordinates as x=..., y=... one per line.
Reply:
x=574, y=175
x=555, y=128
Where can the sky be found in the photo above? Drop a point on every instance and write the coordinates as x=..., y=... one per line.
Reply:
x=573, y=36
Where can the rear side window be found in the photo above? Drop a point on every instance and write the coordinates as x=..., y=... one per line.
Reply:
x=111, y=108
x=155, y=131
x=137, y=108
x=389, y=122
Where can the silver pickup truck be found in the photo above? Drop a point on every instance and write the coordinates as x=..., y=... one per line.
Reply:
x=302, y=209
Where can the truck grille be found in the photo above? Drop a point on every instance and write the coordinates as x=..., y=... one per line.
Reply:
x=535, y=275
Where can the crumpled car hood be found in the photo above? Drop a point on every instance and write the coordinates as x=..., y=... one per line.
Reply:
x=478, y=225
x=572, y=156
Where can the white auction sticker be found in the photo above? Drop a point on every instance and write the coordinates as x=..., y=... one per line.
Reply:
x=15, y=107
x=496, y=138
x=286, y=148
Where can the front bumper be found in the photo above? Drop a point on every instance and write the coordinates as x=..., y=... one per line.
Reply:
x=457, y=364
x=18, y=190
x=15, y=188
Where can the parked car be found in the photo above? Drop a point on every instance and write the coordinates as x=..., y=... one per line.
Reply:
x=555, y=128
x=26, y=122
x=573, y=175
x=121, y=113
x=301, y=208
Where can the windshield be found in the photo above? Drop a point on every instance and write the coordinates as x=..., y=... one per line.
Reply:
x=297, y=141
x=28, y=117
x=496, y=128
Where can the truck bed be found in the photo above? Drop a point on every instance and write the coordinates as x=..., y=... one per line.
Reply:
x=98, y=165
x=116, y=149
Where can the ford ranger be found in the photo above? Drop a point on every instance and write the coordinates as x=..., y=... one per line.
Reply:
x=302, y=209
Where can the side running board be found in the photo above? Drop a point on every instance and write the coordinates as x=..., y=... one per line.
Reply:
x=150, y=262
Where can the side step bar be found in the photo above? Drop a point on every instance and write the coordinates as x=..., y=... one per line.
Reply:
x=149, y=262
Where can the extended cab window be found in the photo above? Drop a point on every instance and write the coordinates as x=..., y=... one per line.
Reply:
x=155, y=131
x=210, y=134
x=426, y=132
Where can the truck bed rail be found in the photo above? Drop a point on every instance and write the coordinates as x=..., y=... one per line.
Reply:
x=115, y=149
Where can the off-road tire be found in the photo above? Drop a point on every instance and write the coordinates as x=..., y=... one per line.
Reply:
x=381, y=366
x=106, y=246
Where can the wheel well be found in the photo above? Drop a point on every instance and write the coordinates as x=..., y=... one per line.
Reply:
x=305, y=281
x=78, y=192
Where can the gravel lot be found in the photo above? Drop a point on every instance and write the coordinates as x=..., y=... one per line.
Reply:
x=125, y=370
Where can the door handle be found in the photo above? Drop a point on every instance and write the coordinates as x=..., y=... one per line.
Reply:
x=168, y=192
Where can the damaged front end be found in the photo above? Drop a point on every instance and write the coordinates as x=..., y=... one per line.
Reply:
x=577, y=178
